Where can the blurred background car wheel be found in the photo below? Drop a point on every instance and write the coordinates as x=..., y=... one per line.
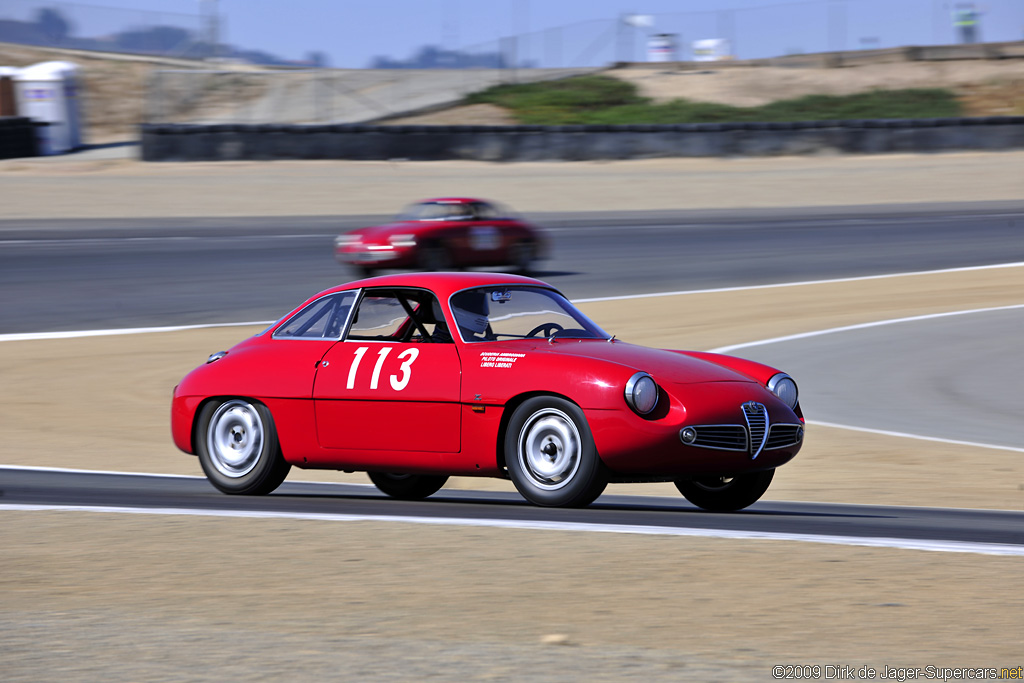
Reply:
x=434, y=256
x=522, y=255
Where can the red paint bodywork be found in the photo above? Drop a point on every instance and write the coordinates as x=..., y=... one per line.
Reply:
x=448, y=416
x=472, y=240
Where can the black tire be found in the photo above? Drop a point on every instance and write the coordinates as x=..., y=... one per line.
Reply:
x=434, y=256
x=366, y=271
x=550, y=454
x=725, y=494
x=522, y=255
x=407, y=486
x=237, y=445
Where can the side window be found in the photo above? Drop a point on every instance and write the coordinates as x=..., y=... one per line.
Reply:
x=379, y=317
x=485, y=212
x=323, y=319
x=399, y=315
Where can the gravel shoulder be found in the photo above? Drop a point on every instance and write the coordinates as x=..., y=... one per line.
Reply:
x=68, y=187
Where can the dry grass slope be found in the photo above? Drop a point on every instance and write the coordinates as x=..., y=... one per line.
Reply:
x=114, y=89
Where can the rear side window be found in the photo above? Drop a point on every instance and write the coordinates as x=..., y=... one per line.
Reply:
x=380, y=318
x=398, y=315
x=325, y=318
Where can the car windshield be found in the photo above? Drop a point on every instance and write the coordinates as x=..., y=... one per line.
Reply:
x=519, y=312
x=436, y=211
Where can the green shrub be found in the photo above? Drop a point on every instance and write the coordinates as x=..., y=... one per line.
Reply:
x=609, y=101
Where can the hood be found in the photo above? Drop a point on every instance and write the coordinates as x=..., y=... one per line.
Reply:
x=664, y=366
x=381, y=233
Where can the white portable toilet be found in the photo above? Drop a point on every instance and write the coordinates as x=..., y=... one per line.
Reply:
x=48, y=92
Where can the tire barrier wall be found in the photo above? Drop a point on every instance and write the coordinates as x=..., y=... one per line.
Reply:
x=180, y=142
x=18, y=137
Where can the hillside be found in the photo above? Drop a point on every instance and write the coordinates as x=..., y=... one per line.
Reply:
x=114, y=86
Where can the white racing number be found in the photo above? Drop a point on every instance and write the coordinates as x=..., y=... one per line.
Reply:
x=398, y=382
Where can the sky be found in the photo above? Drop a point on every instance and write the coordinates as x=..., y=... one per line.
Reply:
x=553, y=32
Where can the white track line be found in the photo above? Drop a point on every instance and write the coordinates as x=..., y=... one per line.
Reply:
x=70, y=470
x=919, y=437
x=900, y=543
x=861, y=278
x=78, y=334
x=862, y=326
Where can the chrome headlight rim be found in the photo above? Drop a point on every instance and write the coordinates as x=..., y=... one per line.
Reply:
x=779, y=380
x=630, y=393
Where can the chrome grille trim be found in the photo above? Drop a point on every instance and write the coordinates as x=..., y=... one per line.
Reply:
x=783, y=435
x=756, y=416
x=718, y=437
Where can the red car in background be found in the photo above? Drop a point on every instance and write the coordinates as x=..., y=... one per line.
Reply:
x=415, y=378
x=444, y=234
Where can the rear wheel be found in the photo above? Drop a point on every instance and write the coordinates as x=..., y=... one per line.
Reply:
x=238, y=448
x=407, y=486
x=725, y=494
x=550, y=454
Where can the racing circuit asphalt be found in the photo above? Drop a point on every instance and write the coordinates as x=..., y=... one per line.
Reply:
x=928, y=527
x=104, y=274
x=114, y=274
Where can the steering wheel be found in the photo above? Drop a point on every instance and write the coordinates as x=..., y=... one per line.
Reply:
x=547, y=328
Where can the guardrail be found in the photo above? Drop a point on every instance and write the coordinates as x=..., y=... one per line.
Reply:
x=228, y=142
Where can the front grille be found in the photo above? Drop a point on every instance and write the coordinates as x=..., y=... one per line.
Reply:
x=782, y=436
x=721, y=437
x=757, y=422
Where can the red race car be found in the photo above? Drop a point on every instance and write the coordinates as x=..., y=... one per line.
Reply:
x=415, y=378
x=441, y=234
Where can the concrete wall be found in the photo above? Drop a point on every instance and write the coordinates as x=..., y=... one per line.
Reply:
x=547, y=143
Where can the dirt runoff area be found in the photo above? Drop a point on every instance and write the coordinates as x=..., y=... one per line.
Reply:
x=125, y=598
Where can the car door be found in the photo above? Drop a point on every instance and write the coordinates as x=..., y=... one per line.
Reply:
x=388, y=386
x=484, y=236
x=289, y=364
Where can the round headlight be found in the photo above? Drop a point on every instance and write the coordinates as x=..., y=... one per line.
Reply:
x=641, y=393
x=783, y=386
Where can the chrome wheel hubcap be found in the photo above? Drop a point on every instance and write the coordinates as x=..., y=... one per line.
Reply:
x=549, y=448
x=234, y=439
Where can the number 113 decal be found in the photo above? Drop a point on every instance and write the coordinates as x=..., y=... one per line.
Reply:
x=398, y=382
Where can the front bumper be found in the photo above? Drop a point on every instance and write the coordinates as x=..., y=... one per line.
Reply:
x=746, y=431
x=375, y=255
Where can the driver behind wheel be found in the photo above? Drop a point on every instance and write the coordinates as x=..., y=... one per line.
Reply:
x=470, y=310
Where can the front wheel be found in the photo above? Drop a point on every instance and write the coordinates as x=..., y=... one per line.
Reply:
x=407, y=486
x=725, y=494
x=522, y=256
x=550, y=454
x=238, y=448
x=434, y=257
